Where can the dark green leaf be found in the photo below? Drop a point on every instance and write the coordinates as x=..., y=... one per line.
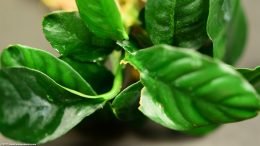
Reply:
x=227, y=28
x=68, y=34
x=185, y=90
x=96, y=75
x=253, y=76
x=102, y=17
x=34, y=109
x=177, y=22
x=125, y=105
x=58, y=70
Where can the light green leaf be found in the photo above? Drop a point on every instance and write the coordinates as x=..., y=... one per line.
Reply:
x=35, y=109
x=186, y=90
x=253, y=76
x=102, y=17
x=177, y=22
x=58, y=70
x=68, y=34
x=125, y=104
x=227, y=29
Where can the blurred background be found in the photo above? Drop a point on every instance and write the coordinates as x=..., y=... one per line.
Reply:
x=20, y=22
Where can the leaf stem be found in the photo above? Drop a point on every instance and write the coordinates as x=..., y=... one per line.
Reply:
x=117, y=85
x=127, y=46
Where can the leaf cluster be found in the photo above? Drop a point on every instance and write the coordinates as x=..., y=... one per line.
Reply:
x=181, y=51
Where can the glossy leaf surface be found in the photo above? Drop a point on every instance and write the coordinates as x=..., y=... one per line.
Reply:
x=227, y=29
x=58, y=70
x=34, y=109
x=102, y=17
x=125, y=104
x=185, y=90
x=100, y=78
x=68, y=34
x=177, y=22
x=253, y=76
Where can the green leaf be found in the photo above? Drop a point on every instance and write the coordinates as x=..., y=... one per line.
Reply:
x=177, y=22
x=100, y=78
x=184, y=89
x=34, y=109
x=68, y=34
x=58, y=70
x=253, y=76
x=227, y=29
x=102, y=17
x=125, y=104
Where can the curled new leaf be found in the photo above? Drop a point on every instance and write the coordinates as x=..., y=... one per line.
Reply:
x=185, y=90
x=102, y=17
x=58, y=70
x=35, y=109
x=125, y=104
x=177, y=22
x=68, y=34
